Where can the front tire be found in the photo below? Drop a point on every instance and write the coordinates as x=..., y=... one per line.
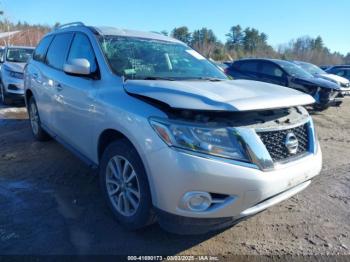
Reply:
x=35, y=123
x=125, y=185
x=3, y=96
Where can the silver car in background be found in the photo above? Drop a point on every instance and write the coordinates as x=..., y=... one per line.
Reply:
x=2, y=52
x=174, y=139
x=13, y=60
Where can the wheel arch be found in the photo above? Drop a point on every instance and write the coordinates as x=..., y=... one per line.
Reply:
x=27, y=96
x=110, y=135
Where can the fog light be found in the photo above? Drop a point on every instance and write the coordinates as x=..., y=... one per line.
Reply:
x=196, y=201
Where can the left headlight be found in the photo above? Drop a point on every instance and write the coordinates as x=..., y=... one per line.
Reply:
x=217, y=141
x=14, y=74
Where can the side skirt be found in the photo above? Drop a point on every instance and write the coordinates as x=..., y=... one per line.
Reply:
x=75, y=151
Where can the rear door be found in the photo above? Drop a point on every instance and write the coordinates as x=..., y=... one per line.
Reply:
x=36, y=79
x=54, y=60
x=75, y=113
x=271, y=73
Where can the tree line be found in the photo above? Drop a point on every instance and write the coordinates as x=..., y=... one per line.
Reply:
x=240, y=43
x=250, y=42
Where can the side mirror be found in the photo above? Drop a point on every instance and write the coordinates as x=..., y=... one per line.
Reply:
x=77, y=66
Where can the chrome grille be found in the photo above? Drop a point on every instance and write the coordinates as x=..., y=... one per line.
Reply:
x=275, y=142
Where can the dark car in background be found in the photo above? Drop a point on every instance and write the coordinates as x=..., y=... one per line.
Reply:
x=340, y=70
x=287, y=74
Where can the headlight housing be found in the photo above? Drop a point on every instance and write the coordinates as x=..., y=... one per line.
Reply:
x=217, y=141
x=14, y=74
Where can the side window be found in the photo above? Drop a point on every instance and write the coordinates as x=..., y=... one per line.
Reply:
x=81, y=48
x=248, y=66
x=271, y=70
x=40, y=51
x=56, y=56
x=340, y=73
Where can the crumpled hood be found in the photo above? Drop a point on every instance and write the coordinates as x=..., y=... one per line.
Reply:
x=318, y=81
x=229, y=95
x=16, y=67
x=335, y=78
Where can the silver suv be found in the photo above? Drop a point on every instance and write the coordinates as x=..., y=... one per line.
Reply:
x=13, y=60
x=174, y=139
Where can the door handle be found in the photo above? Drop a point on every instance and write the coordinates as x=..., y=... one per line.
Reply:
x=59, y=87
x=35, y=76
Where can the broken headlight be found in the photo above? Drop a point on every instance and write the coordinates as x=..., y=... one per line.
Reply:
x=216, y=141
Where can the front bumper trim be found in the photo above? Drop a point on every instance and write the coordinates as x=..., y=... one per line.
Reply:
x=275, y=199
x=192, y=226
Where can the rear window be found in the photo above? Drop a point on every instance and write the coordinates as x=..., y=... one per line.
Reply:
x=40, y=51
x=57, y=53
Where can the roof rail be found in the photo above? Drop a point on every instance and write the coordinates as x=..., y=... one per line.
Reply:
x=69, y=24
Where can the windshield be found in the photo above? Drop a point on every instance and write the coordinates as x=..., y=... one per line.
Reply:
x=18, y=55
x=294, y=70
x=312, y=69
x=136, y=58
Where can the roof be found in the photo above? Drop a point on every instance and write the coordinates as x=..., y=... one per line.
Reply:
x=340, y=66
x=20, y=46
x=300, y=62
x=103, y=30
x=266, y=59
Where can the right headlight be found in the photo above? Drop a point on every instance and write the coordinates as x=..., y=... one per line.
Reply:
x=217, y=141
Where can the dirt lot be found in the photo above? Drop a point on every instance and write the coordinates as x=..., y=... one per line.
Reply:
x=51, y=204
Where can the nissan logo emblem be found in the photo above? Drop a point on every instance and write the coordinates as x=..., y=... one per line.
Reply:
x=291, y=143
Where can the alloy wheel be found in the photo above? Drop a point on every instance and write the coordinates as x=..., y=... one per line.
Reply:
x=34, y=118
x=122, y=186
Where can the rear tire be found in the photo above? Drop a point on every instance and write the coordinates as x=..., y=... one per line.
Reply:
x=3, y=96
x=125, y=185
x=35, y=123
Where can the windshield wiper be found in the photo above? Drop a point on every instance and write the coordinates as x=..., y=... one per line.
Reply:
x=157, y=78
x=212, y=79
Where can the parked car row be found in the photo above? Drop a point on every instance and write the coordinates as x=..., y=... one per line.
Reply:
x=340, y=70
x=327, y=89
x=12, y=62
x=175, y=140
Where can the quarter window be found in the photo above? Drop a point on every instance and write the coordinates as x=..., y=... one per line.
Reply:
x=40, y=51
x=56, y=56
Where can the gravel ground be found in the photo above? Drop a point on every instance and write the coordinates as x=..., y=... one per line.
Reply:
x=51, y=204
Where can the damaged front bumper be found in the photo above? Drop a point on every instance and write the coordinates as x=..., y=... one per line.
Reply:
x=328, y=97
x=234, y=190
